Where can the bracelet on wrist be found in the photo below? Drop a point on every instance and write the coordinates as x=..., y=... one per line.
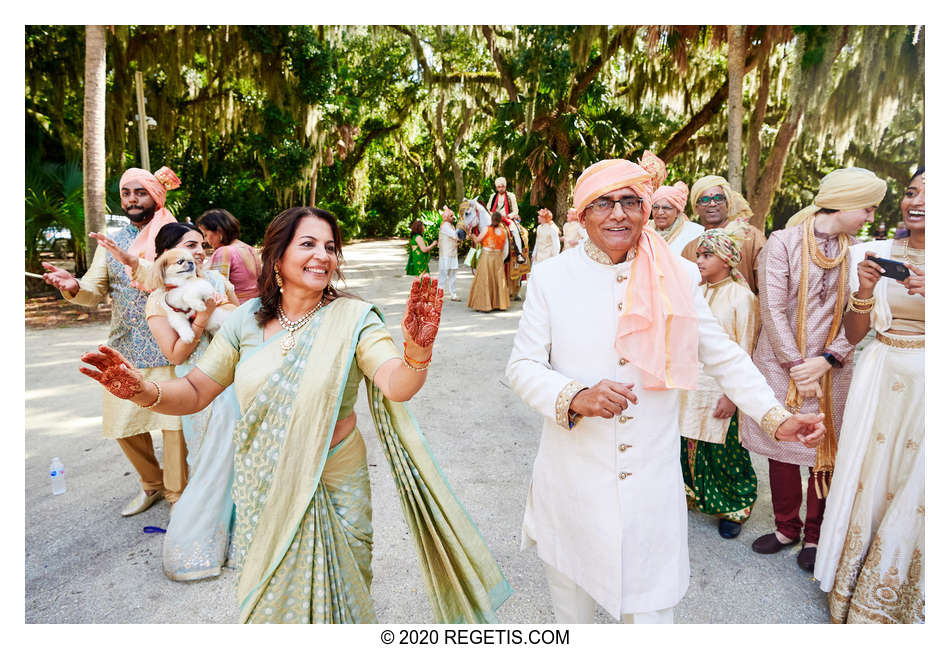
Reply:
x=158, y=398
x=410, y=359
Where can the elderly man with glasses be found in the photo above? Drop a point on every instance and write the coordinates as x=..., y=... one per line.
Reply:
x=611, y=332
x=717, y=204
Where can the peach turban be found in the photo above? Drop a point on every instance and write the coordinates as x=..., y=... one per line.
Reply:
x=737, y=205
x=610, y=175
x=653, y=166
x=157, y=186
x=851, y=188
x=677, y=195
x=657, y=330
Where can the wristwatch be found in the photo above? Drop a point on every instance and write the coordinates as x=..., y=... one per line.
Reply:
x=834, y=362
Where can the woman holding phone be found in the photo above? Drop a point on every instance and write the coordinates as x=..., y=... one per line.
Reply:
x=871, y=554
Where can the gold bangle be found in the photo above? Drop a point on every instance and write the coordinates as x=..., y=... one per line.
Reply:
x=861, y=301
x=421, y=368
x=863, y=309
x=158, y=399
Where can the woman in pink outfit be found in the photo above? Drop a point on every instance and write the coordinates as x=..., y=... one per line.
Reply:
x=236, y=260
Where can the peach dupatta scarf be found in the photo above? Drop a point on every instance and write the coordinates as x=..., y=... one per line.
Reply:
x=658, y=330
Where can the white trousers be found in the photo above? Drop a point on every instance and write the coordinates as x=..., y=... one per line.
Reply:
x=447, y=279
x=574, y=606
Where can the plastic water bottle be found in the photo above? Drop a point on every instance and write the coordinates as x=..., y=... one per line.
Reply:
x=57, y=476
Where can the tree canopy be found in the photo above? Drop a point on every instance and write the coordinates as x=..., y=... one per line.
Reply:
x=379, y=123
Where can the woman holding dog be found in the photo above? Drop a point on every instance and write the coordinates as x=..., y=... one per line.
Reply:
x=196, y=542
x=871, y=554
x=233, y=258
x=296, y=354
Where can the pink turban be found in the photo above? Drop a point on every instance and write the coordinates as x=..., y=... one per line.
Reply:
x=658, y=330
x=677, y=195
x=610, y=175
x=157, y=185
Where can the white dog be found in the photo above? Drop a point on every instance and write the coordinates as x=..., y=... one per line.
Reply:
x=184, y=290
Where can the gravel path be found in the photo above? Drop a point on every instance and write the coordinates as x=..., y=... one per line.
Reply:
x=87, y=564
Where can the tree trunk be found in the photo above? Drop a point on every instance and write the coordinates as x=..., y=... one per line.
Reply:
x=754, y=146
x=767, y=183
x=736, y=64
x=94, y=136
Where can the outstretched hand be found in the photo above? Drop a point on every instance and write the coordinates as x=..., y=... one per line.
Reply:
x=114, y=372
x=805, y=428
x=60, y=279
x=420, y=324
x=122, y=256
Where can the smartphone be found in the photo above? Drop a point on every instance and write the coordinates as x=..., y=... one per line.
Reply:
x=893, y=269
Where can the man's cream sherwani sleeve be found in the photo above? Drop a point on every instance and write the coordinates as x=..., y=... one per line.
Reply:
x=731, y=366
x=529, y=368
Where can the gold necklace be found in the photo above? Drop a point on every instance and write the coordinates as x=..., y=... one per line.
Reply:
x=817, y=255
x=290, y=341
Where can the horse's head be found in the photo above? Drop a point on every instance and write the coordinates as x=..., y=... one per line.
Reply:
x=474, y=214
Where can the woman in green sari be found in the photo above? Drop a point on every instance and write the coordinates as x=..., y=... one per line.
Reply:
x=418, y=262
x=296, y=354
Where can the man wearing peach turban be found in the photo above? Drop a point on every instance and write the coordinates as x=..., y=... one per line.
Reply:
x=142, y=197
x=669, y=219
x=611, y=331
x=716, y=204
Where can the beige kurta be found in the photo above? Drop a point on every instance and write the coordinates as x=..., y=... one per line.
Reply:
x=122, y=418
x=737, y=310
x=547, y=242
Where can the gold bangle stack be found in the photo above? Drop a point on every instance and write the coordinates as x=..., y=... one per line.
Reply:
x=158, y=399
x=860, y=305
x=413, y=364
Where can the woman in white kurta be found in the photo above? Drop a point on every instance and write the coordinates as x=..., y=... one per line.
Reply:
x=870, y=556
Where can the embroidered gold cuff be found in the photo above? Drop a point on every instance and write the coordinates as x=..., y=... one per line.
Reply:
x=563, y=404
x=774, y=418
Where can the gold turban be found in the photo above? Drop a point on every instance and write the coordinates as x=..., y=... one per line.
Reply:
x=851, y=188
x=735, y=203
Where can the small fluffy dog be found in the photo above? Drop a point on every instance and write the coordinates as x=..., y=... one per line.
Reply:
x=184, y=290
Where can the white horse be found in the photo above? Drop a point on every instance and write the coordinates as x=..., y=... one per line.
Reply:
x=477, y=219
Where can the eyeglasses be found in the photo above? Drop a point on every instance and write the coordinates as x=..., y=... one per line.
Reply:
x=663, y=208
x=706, y=200
x=604, y=206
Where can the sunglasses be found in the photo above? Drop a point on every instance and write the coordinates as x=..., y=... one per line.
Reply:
x=706, y=200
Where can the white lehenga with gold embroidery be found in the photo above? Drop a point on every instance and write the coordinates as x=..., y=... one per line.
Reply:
x=871, y=554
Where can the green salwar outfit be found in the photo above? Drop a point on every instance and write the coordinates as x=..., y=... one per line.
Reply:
x=719, y=478
x=717, y=470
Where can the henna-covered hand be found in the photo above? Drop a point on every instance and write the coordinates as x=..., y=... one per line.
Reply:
x=420, y=324
x=114, y=372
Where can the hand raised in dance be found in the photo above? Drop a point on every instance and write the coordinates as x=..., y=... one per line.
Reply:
x=805, y=428
x=420, y=323
x=122, y=256
x=114, y=372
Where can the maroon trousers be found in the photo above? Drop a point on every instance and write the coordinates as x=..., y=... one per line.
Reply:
x=785, y=480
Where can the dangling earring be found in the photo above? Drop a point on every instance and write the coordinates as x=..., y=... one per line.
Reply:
x=278, y=279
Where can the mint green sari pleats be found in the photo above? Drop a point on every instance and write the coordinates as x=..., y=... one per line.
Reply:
x=462, y=580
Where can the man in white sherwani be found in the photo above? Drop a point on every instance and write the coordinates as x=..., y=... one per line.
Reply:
x=611, y=330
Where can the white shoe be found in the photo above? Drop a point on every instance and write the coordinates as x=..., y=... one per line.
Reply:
x=141, y=502
x=455, y=298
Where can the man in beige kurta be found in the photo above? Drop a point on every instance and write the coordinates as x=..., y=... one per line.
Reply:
x=142, y=199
